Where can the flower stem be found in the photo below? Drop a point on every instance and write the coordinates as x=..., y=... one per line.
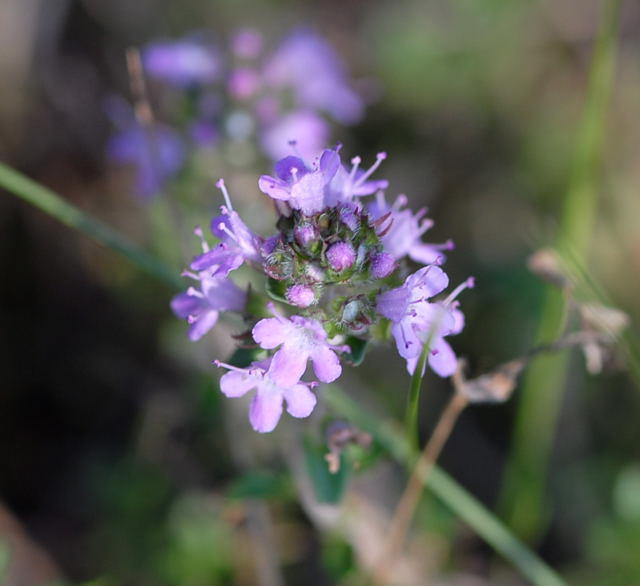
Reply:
x=413, y=400
x=406, y=508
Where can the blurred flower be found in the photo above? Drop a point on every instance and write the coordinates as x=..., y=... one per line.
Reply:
x=309, y=67
x=182, y=63
x=266, y=406
x=156, y=152
x=303, y=129
x=246, y=43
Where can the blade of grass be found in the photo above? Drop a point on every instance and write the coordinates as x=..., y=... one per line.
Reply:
x=522, y=500
x=445, y=488
x=51, y=203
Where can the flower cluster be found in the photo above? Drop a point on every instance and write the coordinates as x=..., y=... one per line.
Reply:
x=339, y=269
x=243, y=94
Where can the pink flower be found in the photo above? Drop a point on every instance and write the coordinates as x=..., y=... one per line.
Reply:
x=266, y=406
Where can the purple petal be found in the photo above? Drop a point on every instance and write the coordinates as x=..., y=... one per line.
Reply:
x=235, y=384
x=408, y=343
x=432, y=279
x=442, y=358
x=274, y=188
x=393, y=304
x=184, y=305
x=329, y=164
x=265, y=410
x=288, y=366
x=425, y=254
x=270, y=332
x=203, y=324
x=326, y=364
x=300, y=401
x=290, y=167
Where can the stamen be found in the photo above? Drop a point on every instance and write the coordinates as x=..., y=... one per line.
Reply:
x=222, y=226
x=354, y=169
x=380, y=200
x=222, y=187
x=190, y=275
x=379, y=158
x=426, y=225
x=401, y=201
x=198, y=232
x=470, y=283
x=230, y=367
x=195, y=293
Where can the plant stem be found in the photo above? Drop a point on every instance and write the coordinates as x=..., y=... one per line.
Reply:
x=51, y=203
x=406, y=508
x=522, y=499
x=445, y=488
x=413, y=400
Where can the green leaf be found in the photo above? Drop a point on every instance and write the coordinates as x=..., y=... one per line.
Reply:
x=329, y=488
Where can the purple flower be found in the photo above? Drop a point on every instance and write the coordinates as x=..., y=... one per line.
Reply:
x=181, y=63
x=202, y=306
x=156, y=152
x=300, y=339
x=416, y=321
x=403, y=230
x=304, y=128
x=308, y=66
x=266, y=406
x=347, y=184
x=303, y=188
x=238, y=243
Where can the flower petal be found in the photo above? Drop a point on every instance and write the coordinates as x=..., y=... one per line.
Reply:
x=442, y=358
x=265, y=410
x=425, y=254
x=236, y=384
x=326, y=364
x=287, y=366
x=184, y=305
x=407, y=342
x=300, y=401
x=270, y=332
x=274, y=188
x=203, y=324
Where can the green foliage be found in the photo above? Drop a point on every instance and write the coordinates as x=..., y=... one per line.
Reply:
x=329, y=488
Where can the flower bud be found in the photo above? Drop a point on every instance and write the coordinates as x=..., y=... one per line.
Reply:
x=382, y=265
x=341, y=256
x=306, y=234
x=300, y=295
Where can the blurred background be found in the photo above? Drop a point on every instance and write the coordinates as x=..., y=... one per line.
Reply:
x=120, y=463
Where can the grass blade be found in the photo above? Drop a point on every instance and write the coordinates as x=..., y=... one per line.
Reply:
x=51, y=203
x=445, y=488
x=522, y=500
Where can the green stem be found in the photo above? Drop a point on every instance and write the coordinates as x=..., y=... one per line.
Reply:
x=413, y=400
x=522, y=500
x=447, y=490
x=51, y=203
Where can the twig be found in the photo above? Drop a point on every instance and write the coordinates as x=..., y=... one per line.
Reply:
x=401, y=521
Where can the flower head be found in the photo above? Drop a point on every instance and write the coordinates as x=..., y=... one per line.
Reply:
x=299, y=339
x=266, y=406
